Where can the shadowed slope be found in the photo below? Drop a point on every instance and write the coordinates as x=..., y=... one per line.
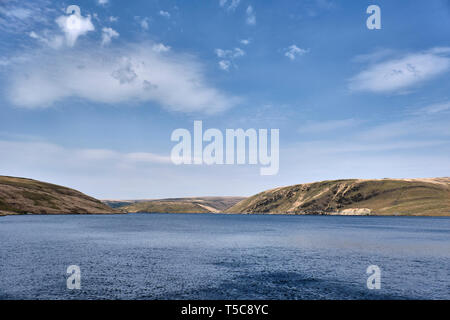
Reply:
x=20, y=195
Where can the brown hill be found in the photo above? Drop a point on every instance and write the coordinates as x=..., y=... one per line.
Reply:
x=354, y=197
x=178, y=205
x=20, y=196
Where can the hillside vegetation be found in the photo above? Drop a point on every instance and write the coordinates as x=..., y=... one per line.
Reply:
x=181, y=205
x=423, y=197
x=20, y=196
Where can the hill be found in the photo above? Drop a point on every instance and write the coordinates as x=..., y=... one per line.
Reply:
x=178, y=205
x=20, y=196
x=422, y=197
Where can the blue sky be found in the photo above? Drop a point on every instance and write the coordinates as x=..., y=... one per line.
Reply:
x=94, y=109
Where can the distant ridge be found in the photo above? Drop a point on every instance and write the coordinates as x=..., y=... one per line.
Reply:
x=177, y=205
x=421, y=197
x=22, y=196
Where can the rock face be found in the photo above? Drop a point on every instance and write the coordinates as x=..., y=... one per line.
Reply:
x=178, y=205
x=355, y=212
x=21, y=196
x=427, y=197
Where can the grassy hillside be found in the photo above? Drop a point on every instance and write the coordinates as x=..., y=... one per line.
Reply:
x=182, y=205
x=20, y=195
x=354, y=197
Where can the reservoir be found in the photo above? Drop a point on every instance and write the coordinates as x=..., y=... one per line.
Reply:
x=215, y=256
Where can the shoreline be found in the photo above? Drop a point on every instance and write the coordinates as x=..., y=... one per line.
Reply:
x=3, y=214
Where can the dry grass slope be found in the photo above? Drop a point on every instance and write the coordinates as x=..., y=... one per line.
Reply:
x=423, y=197
x=21, y=196
x=182, y=205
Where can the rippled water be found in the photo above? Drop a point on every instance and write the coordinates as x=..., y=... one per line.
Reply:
x=188, y=256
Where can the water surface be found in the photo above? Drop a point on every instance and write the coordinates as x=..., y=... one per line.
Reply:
x=206, y=256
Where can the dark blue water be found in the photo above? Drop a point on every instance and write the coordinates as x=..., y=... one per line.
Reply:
x=188, y=256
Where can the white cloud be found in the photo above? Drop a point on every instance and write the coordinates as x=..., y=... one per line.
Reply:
x=220, y=53
x=164, y=14
x=143, y=22
x=435, y=108
x=22, y=16
x=293, y=51
x=141, y=174
x=102, y=2
x=4, y=62
x=224, y=65
x=406, y=148
x=17, y=13
x=74, y=26
x=418, y=128
x=230, y=54
x=160, y=48
x=232, y=5
x=53, y=41
x=13, y=59
x=402, y=73
x=251, y=16
x=85, y=169
x=43, y=151
x=113, y=19
x=135, y=73
x=227, y=57
x=108, y=34
x=245, y=42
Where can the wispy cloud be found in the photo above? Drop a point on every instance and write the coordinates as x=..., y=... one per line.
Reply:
x=293, y=51
x=52, y=40
x=133, y=73
x=86, y=169
x=164, y=14
x=102, y=2
x=413, y=128
x=402, y=73
x=107, y=35
x=251, y=16
x=224, y=65
x=434, y=109
x=229, y=5
x=19, y=17
x=227, y=57
x=159, y=47
x=71, y=156
x=420, y=130
x=143, y=22
x=411, y=147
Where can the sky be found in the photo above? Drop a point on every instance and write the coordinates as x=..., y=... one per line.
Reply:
x=93, y=107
